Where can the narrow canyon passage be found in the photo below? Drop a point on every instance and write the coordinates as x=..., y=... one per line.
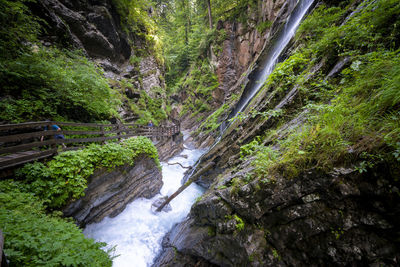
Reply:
x=137, y=232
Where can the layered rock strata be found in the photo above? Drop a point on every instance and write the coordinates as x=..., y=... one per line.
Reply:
x=317, y=219
x=109, y=192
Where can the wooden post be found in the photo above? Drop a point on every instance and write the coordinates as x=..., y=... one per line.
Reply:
x=189, y=182
x=119, y=132
x=102, y=134
x=3, y=260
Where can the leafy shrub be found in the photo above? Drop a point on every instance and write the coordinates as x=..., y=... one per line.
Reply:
x=65, y=176
x=261, y=27
x=149, y=109
x=51, y=83
x=17, y=25
x=33, y=238
x=239, y=223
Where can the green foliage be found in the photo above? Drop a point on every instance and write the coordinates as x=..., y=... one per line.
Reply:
x=261, y=27
x=286, y=73
x=149, y=109
x=200, y=83
x=239, y=223
x=33, y=238
x=357, y=111
x=17, y=25
x=51, y=83
x=187, y=36
x=135, y=18
x=65, y=177
x=374, y=27
x=234, y=10
x=276, y=254
x=212, y=122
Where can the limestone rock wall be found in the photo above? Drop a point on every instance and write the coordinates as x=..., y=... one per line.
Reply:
x=244, y=43
x=316, y=219
x=93, y=26
x=109, y=192
x=340, y=217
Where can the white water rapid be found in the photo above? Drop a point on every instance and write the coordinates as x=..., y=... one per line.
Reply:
x=137, y=232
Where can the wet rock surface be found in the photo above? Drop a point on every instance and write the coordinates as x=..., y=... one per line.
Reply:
x=169, y=147
x=339, y=218
x=109, y=192
x=244, y=44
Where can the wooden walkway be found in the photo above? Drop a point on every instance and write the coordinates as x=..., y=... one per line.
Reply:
x=20, y=143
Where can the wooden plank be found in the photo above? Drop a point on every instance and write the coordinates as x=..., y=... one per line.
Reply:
x=24, y=136
x=23, y=147
x=6, y=127
x=28, y=158
x=84, y=124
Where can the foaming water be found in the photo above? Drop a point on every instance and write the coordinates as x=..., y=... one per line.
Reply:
x=137, y=232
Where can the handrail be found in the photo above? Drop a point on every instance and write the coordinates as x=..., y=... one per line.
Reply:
x=20, y=140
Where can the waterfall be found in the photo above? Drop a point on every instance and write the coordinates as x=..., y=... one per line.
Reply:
x=267, y=65
x=137, y=232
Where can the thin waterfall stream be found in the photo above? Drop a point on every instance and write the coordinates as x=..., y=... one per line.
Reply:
x=272, y=55
x=137, y=232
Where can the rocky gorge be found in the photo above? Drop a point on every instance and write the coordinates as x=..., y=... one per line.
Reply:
x=294, y=104
x=108, y=193
x=336, y=216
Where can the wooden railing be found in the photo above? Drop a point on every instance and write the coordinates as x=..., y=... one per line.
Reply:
x=20, y=143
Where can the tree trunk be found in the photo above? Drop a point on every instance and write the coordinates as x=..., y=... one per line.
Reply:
x=183, y=187
x=210, y=20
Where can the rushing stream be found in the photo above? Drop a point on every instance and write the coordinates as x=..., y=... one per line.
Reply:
x=137, y=232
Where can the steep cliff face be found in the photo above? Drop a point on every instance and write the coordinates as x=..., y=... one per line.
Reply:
x=127, y=59
x=240, y=53
x=109, y=192
x=245, y=42
x=285, y=189
x=93, y=26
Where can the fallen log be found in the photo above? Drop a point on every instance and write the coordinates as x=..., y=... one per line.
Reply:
x=189, y=182
x=177, y=163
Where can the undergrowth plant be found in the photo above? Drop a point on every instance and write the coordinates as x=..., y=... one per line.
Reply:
x=65, y=177
x=351, y=118
x=51, y=83
x=34, y=238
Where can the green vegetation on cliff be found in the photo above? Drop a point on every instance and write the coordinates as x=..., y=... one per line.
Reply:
x=65, y=177
x=50, y=83
x=34, y=238
x=192, y=42
x=49, y=186
x=351, y=118
x=39, y=83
